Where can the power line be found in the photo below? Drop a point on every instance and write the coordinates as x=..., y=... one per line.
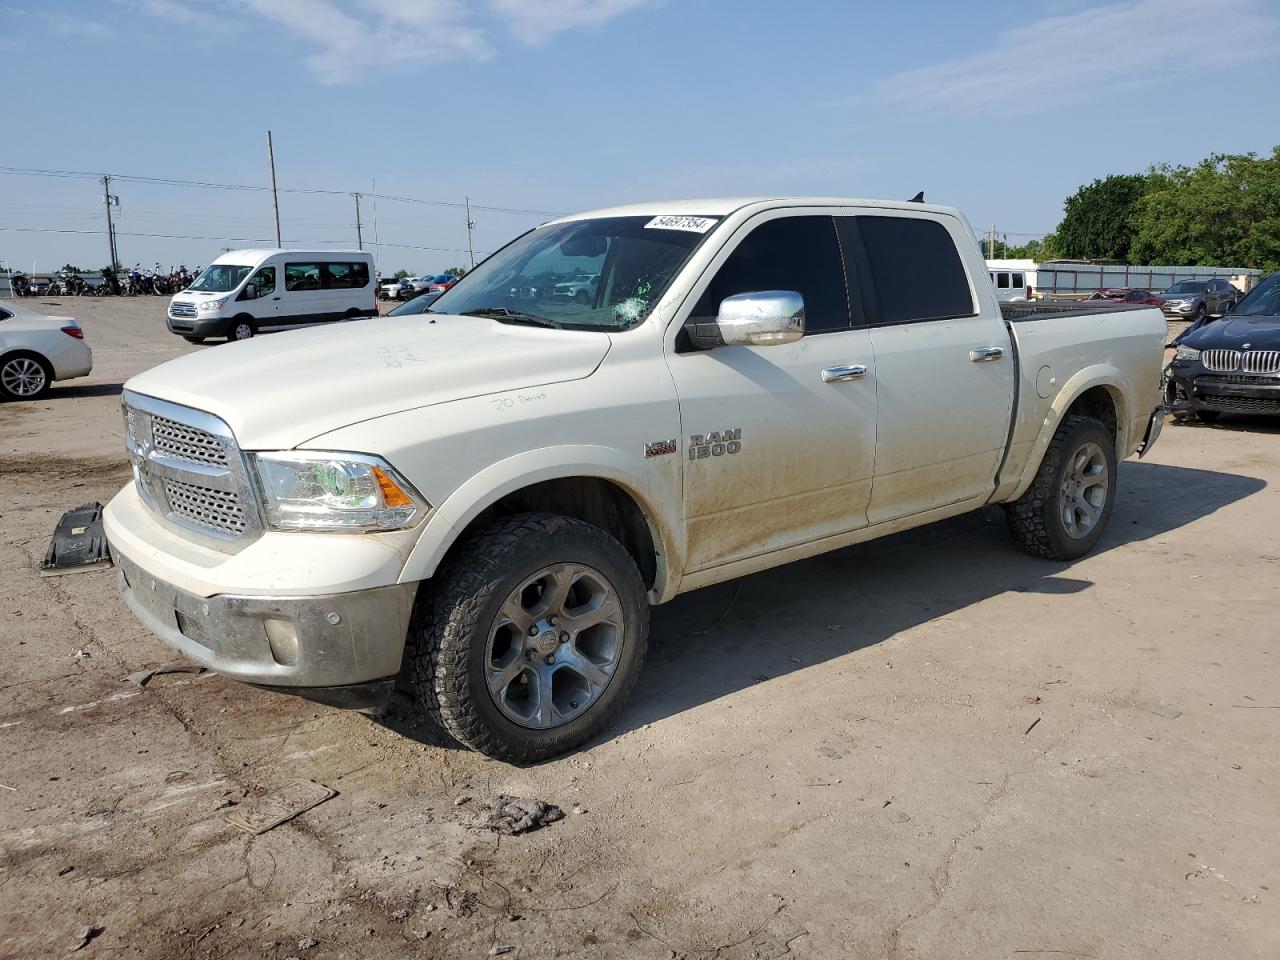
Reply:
x=178, y=236
x=210, y=185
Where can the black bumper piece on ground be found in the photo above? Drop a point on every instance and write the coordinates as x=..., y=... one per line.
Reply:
x=371, y=697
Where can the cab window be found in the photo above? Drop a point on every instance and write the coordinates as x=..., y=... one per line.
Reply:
x=265, y=281
x=789, y=253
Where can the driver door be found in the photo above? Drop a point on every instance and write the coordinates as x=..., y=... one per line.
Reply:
x=778, y=448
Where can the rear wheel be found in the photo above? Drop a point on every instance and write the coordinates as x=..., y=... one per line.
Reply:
x=531, y=638
x=1066, y=508
x=24, y=376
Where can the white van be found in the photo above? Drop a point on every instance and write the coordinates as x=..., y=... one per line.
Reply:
x=1011, y=286
x=245, y=292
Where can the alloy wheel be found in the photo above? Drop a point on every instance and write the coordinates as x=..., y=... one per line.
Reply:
x=1084, y=491
x=23, y=377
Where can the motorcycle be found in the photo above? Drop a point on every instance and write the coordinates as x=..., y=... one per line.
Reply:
x=110, y=284
x=20, y=285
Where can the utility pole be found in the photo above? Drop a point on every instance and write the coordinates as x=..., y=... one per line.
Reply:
x=108, y=200
x=275, y=199
x=471, y=225
x=359, y=234
x=991, y=243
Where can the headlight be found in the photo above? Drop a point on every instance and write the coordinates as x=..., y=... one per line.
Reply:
x=335, y=491
x=1187, y=353
x=212, y=305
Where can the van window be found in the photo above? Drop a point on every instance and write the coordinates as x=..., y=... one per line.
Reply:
x=337, y=276
x=916, y=269
x=790, y=253
x=301, y=276
x=1002, y=281
x=265, y=281
x=1017, y=281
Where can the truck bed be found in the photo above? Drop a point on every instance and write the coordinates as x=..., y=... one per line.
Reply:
x=1040, y=309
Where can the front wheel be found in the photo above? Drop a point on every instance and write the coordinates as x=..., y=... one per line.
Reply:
x=531, y=638
x=241, y=329
x=1066, y=508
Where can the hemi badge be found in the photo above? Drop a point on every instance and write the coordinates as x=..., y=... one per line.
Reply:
x=659, y=448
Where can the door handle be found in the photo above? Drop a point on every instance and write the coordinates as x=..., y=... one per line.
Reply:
x=275, y=298
x=851, y=371
x=986, y=354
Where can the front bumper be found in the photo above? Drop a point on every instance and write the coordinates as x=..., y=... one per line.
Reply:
x=197, y=326
x=1191, y=388
x=329, y=641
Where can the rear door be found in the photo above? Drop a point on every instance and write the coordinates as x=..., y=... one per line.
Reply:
x=779, y=441
x=944, y=365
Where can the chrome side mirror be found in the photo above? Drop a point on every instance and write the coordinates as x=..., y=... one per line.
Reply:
x=762, y=319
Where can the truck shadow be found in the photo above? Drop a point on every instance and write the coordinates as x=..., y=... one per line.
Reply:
x=716, y=641
x=713, y=642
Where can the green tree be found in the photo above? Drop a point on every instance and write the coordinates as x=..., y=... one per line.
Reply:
x=456, y=271
x=1098, y=223
x=401, y=274
x=1224, y=211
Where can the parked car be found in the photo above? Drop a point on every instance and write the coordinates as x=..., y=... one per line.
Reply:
x=1193, y=299
x=1233, y=364
x=394, y=288
x=1129, y=295
x=419, y=304
x=246, y=292
x=1011, y=286
x=528, y=476
x=581, y=288
x=441, y=282
x=36, y=351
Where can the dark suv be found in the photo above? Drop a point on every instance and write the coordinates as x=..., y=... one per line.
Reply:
x=1194, y=299
x=1233, y=364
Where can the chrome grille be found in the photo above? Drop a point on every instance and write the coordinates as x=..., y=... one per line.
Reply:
x=180, y=309
x=1223, y=361
x=187, y=443
x=220, y=509
x=189, y=471
x=1261, y=361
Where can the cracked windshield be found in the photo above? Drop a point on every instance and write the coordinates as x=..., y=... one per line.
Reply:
x=601, y=274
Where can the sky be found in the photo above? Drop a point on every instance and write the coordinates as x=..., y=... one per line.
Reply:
x=537, y=107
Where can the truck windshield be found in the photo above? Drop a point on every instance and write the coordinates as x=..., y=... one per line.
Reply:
x=1262, y=301
x=629, y=260
x=1187, y=286
x=220, y=277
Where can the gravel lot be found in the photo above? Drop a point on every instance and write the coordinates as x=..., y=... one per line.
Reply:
x=930, y=746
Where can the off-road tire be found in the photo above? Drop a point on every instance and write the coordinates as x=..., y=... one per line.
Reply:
x=452, y=616
x=1035, y=520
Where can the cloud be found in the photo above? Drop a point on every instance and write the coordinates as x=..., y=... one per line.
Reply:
x=535, y=21
x=1074, y=56
x=349, y=37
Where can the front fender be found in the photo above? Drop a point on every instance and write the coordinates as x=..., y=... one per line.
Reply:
x=650, y=488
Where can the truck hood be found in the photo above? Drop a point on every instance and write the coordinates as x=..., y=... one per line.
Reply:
x=281, y=390
x=1261, y=333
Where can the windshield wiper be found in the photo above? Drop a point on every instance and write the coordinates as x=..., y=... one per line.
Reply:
x=503, y=315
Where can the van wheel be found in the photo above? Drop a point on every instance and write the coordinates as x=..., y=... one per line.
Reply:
x=531, y=638
x=241, y=329
x=1066, y=508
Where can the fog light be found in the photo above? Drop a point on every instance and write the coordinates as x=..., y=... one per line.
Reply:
x=283, y=640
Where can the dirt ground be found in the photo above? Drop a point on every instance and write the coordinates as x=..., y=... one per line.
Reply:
x=929, y=746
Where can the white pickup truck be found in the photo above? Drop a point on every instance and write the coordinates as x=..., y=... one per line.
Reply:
x=489, y=496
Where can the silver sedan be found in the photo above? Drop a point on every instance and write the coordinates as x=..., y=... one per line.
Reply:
x=36, y=350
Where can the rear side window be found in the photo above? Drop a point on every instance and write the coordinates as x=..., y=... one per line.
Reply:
x=1018, y=281
x=789, y=253
x=1002, y=281
x=302, y=276
x=915, y=268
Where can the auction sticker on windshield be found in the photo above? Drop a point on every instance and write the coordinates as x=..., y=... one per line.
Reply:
x=689, y=224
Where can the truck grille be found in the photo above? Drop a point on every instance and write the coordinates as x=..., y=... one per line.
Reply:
x=1261, y=361
x=187, y=443
x=180, y=309
x=205, y=506
x=189, y=470
x=1220, y=361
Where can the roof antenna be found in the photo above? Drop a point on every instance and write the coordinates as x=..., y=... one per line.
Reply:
x=918, y=198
